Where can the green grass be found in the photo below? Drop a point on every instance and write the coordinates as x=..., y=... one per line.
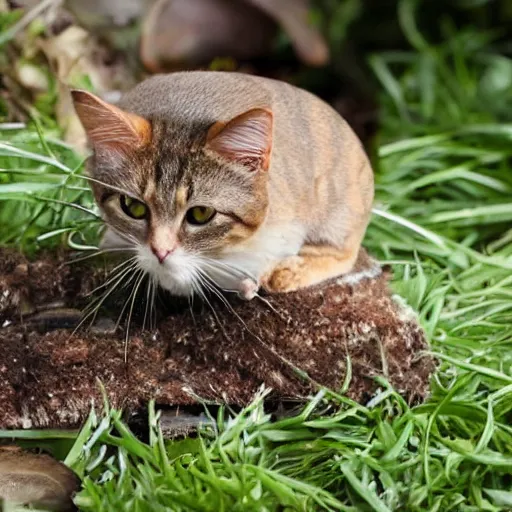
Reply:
x=44, y=196
x=443, y=218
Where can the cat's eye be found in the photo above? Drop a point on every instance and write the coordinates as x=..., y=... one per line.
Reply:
x=133, y=207
x=200, y=215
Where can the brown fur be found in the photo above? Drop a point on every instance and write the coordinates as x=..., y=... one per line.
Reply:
x=102, y=120
x=297, y=224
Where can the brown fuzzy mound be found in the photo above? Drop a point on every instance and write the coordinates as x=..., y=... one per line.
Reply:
x=49, y=375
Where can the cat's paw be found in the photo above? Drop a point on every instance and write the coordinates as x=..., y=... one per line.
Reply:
x=248, y=289
x=287, y=276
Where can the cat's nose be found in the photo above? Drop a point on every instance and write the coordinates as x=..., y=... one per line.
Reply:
x=161, y=254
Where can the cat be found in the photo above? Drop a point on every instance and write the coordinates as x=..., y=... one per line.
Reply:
x=227, y=179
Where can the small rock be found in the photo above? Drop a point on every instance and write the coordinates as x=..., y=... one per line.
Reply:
x=52, y=319
x=104, y=325
x=176, y=423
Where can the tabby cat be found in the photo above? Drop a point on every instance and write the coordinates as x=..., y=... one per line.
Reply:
x=228, y=179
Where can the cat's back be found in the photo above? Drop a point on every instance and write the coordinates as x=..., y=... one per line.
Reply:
x=306, y=129
x=196, y=96
x=208, y=96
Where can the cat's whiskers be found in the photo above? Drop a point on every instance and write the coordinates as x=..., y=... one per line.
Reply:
x=152, y=308
x=191, y=308
x=148, y=288
x=98, y=253
x=131, y=272
x=113, y=274
x=150, y=293
x=197, y=288
x=210, y=285
x=270, y=305
x=209, y=266
x=106, y=185
x=93, y=308
x=132, y=296
x=227, y=268
x=136, y=274
x=128, y=237
x=230, y=269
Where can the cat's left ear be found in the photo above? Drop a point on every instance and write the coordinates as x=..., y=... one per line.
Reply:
x=108, y=126
x=246, y=139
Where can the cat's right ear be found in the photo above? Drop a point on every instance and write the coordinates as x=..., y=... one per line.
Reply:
x=246, y=139
x=109, y=127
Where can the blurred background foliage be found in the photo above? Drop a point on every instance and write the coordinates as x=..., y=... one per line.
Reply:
x=352, y=29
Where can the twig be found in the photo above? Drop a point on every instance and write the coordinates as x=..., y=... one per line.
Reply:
x=27, y=19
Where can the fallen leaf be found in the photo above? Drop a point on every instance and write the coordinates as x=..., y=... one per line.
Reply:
x=75, y=58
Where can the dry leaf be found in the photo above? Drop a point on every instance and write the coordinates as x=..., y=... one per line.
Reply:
x=74, y=54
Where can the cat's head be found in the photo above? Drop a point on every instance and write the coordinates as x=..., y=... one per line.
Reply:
x=181, y=196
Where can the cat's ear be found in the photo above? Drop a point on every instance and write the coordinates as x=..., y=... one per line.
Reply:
x=246, y=139
x=109, y=127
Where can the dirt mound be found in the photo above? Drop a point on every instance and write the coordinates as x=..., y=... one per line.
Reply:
x=49, y=375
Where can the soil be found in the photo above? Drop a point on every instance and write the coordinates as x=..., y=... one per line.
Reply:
x=49, y=371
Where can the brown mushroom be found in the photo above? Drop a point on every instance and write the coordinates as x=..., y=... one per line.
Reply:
x=177, y=33
x=36, y=479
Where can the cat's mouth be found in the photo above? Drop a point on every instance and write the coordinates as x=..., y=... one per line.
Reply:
x=185, y=274
x=177, y=273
